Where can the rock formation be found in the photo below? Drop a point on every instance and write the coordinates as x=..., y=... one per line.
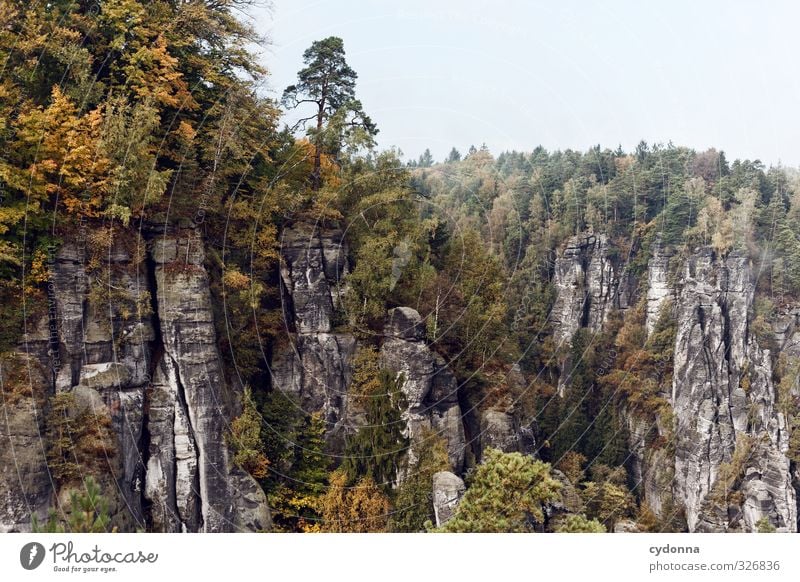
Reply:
x=448, y=489
x=723, y=400
x=586, y=283
x=314, y=362
x=134, y=338
x=430, y=388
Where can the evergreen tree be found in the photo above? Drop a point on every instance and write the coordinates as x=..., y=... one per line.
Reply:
x=574, y=523
x=453, y=156
x=328, y=84
x=414, y=498
x=426, y=159
x=376, y=449
x=87, y=513
x=506, y=494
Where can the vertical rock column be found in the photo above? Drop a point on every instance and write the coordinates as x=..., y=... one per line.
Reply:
x=723, y=397
x=188, y=390
x=313, y=364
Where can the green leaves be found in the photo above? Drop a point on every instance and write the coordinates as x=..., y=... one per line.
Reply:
x=506, y=494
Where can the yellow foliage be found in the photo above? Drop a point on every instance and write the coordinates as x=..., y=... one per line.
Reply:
x=361, y=508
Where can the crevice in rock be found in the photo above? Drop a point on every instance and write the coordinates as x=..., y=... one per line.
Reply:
x=726, y=331
x=155, y=354
x=53, y=343
x=182, y=402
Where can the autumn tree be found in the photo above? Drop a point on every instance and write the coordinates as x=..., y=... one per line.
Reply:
x=360, y=508
x=606, y=496
x=328, y=83
x=245, y=438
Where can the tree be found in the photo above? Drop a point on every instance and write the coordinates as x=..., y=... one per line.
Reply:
x=88, y=513
x=574, y=523
x=245, y=438
x=606, y=497
x=328, y=83
x=295, y=445
x=414, y=499
x=453, y=156
x=376, y=449
x=361, y=508
x=506, y=495
x=426, y=159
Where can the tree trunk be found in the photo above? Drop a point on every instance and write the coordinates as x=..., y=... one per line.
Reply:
x=316, y=175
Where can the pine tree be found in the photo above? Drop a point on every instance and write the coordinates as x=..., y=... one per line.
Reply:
x=506, y=494
x=328, y=83
x=453, y=156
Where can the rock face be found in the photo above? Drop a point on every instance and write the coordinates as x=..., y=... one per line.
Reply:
x=25, y=484
x=135, y=339
x=190, y=379
x=658, y=287
x=586, y=283
x=429, y=386
x=314, y=364
x=723, y=398
x=106, y=340
x=500, y=430
x=448, y=489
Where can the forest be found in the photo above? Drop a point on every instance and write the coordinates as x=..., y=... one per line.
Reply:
x=486, y=336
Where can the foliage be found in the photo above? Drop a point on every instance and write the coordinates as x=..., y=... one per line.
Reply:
x=606, y=497
x=79, y=439
x=506, y=494
x=245, y=438
x=295, y=443
x=575, y=523
x=328, y=83
x=87, y=513
x=763, y=525
x=376, y=449
x=413, y=501
x=360, y=508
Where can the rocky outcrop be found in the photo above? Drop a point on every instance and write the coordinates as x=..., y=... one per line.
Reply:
x=448, y=489
x=430, y=388
x=313, y=363
x=134, y=338
x=658, y=285
x=501, y=430
x=567, y=502
x=586, y=283
x=25, y=484
x=723, y=397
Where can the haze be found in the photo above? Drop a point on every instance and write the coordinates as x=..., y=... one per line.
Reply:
x=561, y=74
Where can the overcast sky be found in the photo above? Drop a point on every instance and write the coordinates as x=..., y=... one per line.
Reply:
x=516, y=74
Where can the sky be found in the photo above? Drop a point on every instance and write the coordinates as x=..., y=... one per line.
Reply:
x=561, y=74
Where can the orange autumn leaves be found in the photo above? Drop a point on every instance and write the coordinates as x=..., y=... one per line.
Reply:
x=89, y=164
